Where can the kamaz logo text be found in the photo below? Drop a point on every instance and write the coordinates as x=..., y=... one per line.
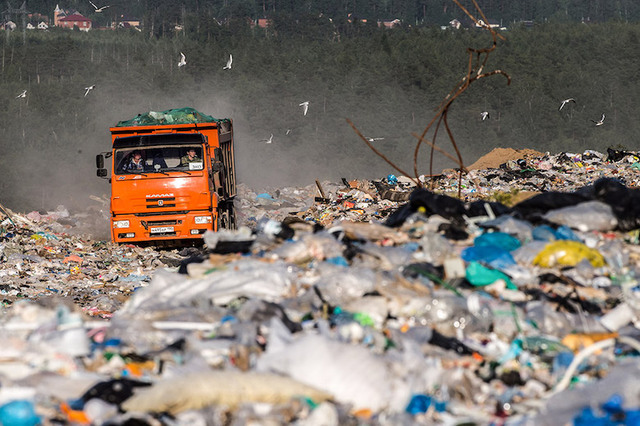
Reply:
x=159, y=195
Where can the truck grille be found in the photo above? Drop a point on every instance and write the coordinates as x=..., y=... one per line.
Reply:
x=162, y=222
x=161, y=228
x=159, y=203
x=149, y=223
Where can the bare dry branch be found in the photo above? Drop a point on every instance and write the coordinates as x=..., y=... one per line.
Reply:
x=440, y=150
x=478, y=59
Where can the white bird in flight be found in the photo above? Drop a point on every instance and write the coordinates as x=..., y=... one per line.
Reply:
x=305, y=107
x=485, y=115
x=565, y=102
x=22, y=95
x=268, y=140
x=183, y=60
x=229, y=62
x=88, y=89
x=98, y=9
x=601, y=122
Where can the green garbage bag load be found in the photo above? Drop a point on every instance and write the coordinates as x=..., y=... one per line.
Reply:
x=185, y=115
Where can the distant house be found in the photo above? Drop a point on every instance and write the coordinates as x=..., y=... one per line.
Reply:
x=389, y=23
x=58, y=14
x=492, y=23
x=75, y=20
x=30, y=26
x=455, y=24
x=124, y=21
x=262, y=23
x=9, y=26
x=43, y=26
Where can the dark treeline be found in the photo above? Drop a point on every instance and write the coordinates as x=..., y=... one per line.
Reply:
x=159, y=17
x=387, y=82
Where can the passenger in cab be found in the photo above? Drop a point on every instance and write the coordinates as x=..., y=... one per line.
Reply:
x=191, y=157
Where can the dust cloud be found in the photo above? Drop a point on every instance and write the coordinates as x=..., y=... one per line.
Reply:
x=320, y=145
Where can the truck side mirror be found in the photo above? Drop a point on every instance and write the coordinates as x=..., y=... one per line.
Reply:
x=100, y=161
x=102, y=173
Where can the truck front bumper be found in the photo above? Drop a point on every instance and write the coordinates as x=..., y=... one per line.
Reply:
x=133, y=228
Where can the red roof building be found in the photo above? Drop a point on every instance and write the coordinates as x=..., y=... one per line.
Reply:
x=75, y=20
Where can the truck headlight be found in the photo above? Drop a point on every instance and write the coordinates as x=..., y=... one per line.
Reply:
x=121, y=224
x=202, y=219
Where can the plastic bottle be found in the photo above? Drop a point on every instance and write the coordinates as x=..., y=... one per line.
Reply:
x=627, y=311
x=441, y=398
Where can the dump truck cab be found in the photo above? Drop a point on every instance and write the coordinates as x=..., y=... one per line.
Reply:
x=170, y=181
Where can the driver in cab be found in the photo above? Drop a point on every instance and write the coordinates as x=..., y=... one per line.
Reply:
x=135, y=162
x=191, y=157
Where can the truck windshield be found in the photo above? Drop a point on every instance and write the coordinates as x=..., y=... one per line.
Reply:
x=158, y=159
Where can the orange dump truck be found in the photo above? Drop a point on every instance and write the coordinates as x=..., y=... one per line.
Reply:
x=172, y=176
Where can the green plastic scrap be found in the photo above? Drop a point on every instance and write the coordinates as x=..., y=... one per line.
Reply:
x=633, y=237
x=47, y=235
x=310, y=402
x=479, y=275
x=363, y=319
x=541, y=345
x=185, y=115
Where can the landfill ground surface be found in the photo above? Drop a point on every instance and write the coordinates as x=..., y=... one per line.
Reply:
x=507, y=294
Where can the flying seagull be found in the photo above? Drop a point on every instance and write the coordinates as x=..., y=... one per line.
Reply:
x=268, y=140
x=305, y=106
x=22, y=95
x=228, y=66
x=601, y=122
x=98, y=9
x=183, y=60
x=485, y=115
x=565, y=102
x=88, y=89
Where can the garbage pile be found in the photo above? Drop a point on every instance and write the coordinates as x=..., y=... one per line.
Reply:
x=356, y=303
x=55, y=253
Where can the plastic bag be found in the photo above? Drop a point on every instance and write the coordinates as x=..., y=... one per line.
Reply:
x=479, y=275
x=567, y=253
x=587, y=216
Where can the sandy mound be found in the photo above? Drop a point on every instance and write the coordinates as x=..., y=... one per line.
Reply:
x=498, y=156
